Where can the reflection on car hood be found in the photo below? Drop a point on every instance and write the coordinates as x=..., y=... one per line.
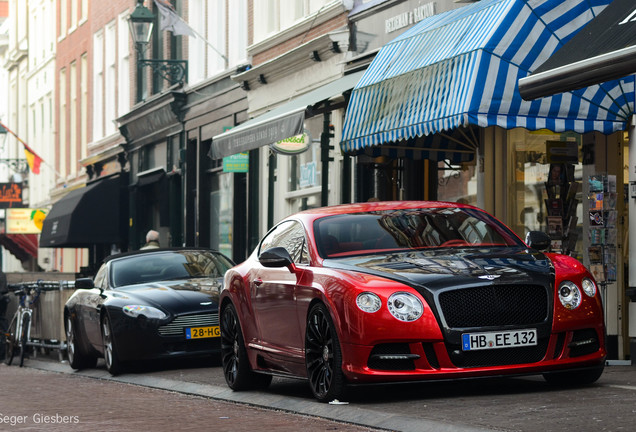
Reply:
x=437, y=268
x=177, y=296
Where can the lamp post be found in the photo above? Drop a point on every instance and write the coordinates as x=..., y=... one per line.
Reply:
x=19, y=166
x=141, y=23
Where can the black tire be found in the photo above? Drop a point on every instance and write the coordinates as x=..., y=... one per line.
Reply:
x=77, y=358
x=113, y=364
x=26, y=323
x=574, y=378
x=323, y=356
x=10, y=342
x=236, y=368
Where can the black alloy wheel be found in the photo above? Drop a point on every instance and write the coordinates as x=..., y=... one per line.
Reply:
x=236, y=367
x=323, y=356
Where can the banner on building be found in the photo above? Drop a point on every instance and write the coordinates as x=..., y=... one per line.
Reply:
x=24, y=220
x=11, y=195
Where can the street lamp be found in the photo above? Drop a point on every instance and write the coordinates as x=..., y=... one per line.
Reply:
x=141, y=23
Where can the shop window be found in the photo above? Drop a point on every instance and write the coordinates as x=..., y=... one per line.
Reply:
x=457, y=182
x=547, y=192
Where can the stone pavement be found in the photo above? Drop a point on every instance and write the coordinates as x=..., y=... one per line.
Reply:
x=44, y=400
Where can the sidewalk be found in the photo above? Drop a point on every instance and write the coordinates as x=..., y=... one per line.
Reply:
x=38, y=399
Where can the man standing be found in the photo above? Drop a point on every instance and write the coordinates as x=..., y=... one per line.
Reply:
x=152, y=240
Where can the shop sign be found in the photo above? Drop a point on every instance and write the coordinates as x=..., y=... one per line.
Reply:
x=293, y=145
x=10, y=195
x=25, y=220
x=238, y=163
x=562, y=152
x=307, y=175
x=409, y=18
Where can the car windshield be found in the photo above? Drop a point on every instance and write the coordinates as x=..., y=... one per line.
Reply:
x=167, y=265
x=407, y=229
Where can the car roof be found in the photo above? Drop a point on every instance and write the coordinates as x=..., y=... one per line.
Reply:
x=313, y=214
x=155, y=250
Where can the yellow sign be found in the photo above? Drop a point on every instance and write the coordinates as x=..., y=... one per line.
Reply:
x=24, y=220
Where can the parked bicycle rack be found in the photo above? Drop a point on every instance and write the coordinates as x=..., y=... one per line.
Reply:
x=47, y=325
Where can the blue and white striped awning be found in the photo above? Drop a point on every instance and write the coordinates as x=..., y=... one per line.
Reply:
x=461, y=68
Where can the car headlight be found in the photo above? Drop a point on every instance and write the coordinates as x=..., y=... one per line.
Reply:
x=136, y=311
x=368, y=302
x=570, y=295
x=405, y=306
x=589, y=287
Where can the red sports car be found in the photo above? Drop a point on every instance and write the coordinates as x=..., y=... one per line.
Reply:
x=406, y=291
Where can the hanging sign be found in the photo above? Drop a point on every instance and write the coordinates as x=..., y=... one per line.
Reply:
x=293, y=145
x=25, y=220
x=10, y=195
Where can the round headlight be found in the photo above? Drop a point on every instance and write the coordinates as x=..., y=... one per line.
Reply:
x=368, y=302
x=405, y=306
x=570, y=295
x=136, y=311
x=589, y=287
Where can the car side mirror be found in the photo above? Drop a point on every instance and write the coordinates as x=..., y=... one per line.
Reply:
x=276, y=257
x=538, y=240
x=84, y=283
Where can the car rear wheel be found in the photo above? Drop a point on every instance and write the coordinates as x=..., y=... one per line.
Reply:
x=323, y=356
x=236, y=367
x=113, y=364
x=76, y=358
x=574, y=378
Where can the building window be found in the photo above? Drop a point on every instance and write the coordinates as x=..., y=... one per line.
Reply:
x=278, y=15
x=123, y=63
x=62, y=124
x=217, y=36
x=83, y=104
x=73, y=120
x=110, y=80
x=63, y=18
x=98, y=86
x=237, y=36
x=74, y=14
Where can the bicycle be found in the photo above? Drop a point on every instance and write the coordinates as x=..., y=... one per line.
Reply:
x=18, y=334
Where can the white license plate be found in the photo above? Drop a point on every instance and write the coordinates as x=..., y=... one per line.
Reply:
x=504, y=339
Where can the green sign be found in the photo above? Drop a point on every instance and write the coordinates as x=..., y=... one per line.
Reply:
x=238, y=163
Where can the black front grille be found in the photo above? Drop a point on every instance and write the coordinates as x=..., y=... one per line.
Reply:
x=499, y=357
x=494, y=305
x=178, y=325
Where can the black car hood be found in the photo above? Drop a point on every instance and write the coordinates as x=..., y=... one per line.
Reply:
x=178, y=296
x=436, y=269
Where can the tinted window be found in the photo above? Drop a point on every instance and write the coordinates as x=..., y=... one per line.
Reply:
x=409, y=229
x=168, y=265
x=291, y=236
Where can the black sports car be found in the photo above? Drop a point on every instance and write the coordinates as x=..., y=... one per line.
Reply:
x=149, y=304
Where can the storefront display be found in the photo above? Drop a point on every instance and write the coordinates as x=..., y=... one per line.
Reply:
x=603, y=231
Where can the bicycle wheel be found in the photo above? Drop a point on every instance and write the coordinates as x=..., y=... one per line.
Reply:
x=26, y=322
x=10, y=341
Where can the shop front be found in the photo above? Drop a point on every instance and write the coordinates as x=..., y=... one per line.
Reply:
x=439, y=116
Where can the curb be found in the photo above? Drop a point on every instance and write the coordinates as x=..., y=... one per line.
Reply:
x=342, y=413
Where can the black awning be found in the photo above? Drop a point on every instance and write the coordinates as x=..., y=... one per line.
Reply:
x=149, y=178
x=603, y=50
x=85, y=217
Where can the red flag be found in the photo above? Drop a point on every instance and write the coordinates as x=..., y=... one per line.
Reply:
x=33, y=159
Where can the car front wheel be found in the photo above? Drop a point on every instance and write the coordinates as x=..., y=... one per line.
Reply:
x=323, y=356
x=113, y=364
x=236, y=367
